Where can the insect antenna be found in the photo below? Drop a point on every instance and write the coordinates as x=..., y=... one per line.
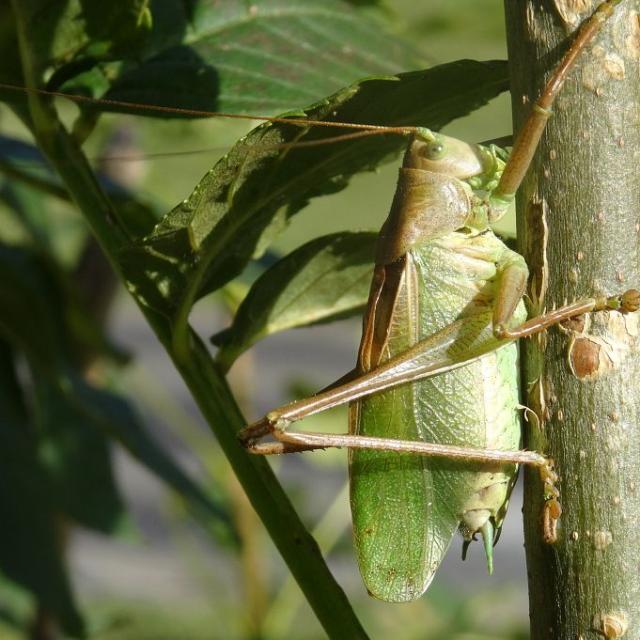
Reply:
x=199, y=113
x=361, y=130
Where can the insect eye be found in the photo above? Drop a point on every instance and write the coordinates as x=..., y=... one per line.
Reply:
x=434, y=150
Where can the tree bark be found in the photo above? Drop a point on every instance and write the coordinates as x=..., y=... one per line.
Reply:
x=583, y=380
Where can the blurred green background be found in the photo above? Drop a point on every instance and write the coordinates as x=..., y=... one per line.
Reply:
x=163, y=579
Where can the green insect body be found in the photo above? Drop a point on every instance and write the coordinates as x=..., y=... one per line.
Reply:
x=406, y=508
x=434, y=430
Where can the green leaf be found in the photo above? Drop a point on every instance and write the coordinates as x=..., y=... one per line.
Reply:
x=30, y=535
x=10, y=67
x=37, y=319
x=15, y=609
x=250, y=195
x=115, y=417
x=324, y=280
x=77, y=456
x=75, y=29
x=30, y=308
x=26, y=163
x=119, y=28
x=260, y=57
x=69, y=37
x=41, y=314
x=22, y=219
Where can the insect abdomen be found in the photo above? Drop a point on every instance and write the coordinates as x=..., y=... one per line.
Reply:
x=406, y=508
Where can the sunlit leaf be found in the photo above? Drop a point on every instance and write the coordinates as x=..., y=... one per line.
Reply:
x=260, y=57
x=324, y=280
x=250, y=195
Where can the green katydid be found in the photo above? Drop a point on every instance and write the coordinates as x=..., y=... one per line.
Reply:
x=424, y=338
x=434, y=426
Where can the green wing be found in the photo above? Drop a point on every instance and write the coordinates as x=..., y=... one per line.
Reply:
x=401, y=532
x=406, y=508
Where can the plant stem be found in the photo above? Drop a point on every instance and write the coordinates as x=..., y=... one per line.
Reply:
x=585, y=181
x=206, y=383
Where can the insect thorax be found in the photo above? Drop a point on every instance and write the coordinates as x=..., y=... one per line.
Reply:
x=436, y=197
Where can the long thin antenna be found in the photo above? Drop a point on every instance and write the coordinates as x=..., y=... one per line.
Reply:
x=302, y=122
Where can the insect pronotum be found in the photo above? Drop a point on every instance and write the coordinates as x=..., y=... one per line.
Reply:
x=444, y=312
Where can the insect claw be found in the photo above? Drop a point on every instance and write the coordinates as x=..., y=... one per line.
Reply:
x=551, y=512
x=630, y=301
x=500, y=331
x=250, y=435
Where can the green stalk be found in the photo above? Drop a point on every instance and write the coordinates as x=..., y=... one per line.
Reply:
x=206, y=383
x=585, y=181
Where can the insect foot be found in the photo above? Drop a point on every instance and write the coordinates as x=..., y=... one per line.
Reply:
x=627, y=302
x=630, y=301
x=250, y=435
x=552, y=510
